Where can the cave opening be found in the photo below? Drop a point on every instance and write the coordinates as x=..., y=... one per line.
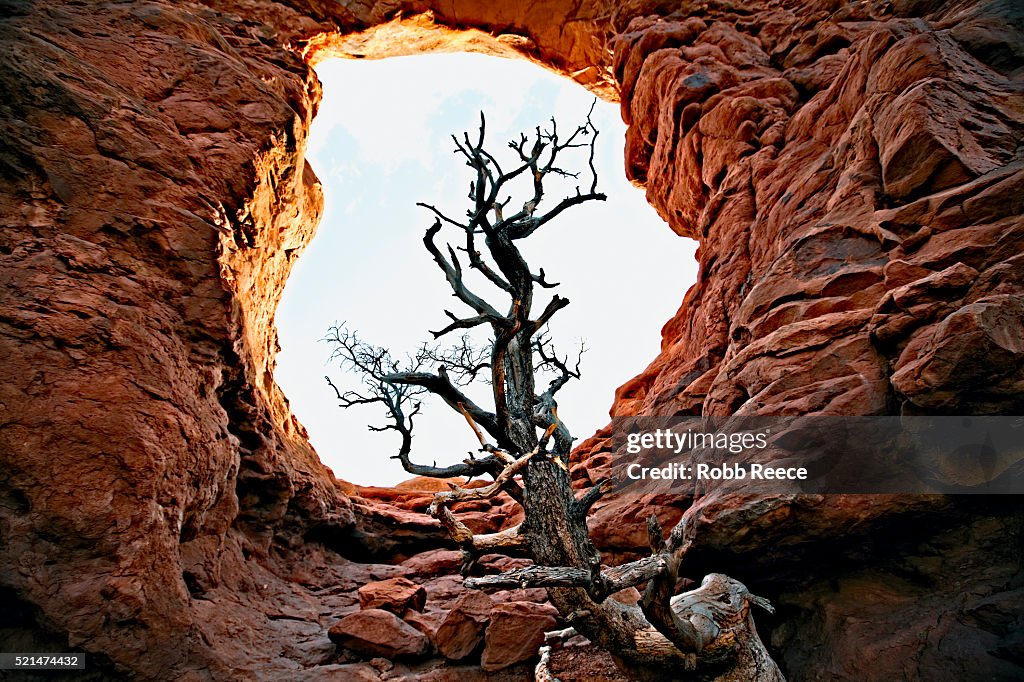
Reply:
x=380, y=143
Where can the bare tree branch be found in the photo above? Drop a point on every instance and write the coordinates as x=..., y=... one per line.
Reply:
x=464, y=360
x=460, y=323
x=554, y=305
x=531, y=225
x=453, y=273
x=584, y=503
x=398, y=399
x=710, y=629
x=540, y=279
x=440, y=385
x=465, y=494
x=656, y=602
x=542, y=673
x=611, y=581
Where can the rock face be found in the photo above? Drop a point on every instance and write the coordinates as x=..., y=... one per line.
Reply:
x=855, y=193
x=853, y=173
x=855, y=183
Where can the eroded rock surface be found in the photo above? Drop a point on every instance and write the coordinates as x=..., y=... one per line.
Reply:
x=462, y=630
x=515, y=633
x=855, y=183
x=853, y=173
x=378, y=633
x=397, y=595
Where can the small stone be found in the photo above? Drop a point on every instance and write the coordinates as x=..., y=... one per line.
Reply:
x=435, y=562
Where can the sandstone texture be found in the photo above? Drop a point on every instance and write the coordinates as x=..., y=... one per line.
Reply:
x=462, y=630
x=515, y=633
x=379, y=633
x=397, y=595
x=853, y=172
x=855, y=184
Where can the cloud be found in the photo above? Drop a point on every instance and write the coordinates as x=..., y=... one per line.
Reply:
x=390, y=110
x=380, y=143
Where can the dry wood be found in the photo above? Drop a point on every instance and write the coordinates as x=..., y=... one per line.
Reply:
x=707, y=633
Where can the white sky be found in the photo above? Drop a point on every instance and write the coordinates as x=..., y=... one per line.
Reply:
x=380, y=144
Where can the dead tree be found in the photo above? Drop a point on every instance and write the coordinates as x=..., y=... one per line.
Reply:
x=524, y=447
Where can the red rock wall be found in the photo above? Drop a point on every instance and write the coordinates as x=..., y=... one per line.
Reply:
x=153, y=198
x=854, y=175
x=854, y=179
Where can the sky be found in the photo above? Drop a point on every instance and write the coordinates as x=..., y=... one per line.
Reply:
x=380, y=143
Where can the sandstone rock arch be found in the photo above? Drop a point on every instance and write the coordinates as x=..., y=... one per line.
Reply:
x=854, y=177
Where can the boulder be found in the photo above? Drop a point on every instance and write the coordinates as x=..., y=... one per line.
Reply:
x=396, y=595
x=434, y=562
x=379, y=633
x=426, y=622
x=515, y=633
x=462, y=630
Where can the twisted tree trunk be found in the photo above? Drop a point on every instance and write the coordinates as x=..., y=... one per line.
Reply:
x=705, y=634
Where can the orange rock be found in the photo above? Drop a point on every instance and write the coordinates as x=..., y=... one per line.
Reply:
x=462, y=630
x=396, y=595
x=374, y=632
x=515, y=633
